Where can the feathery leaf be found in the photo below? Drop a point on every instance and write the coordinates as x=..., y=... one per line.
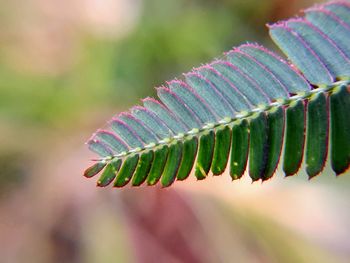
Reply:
x=250, y=107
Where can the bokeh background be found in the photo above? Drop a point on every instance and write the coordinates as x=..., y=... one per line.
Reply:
x=66, y=67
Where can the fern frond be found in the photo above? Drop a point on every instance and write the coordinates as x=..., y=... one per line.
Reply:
x=250, y=106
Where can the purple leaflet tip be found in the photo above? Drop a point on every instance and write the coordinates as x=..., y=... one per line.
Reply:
x=162, y=89
x=192, y=74
x=314, y=8
x=175, y=81
x=205, y=66
x=150, y=99
x=137, y=108
x=337, y=2
x=296, y=20
x=252, y=45
x=277, y=24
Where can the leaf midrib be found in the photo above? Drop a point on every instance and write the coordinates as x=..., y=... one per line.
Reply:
x=227, y=121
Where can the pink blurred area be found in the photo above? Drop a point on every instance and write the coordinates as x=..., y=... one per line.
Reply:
x=50, y=213
x=44, y=36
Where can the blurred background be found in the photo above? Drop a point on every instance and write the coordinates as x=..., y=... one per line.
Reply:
x=66, y=67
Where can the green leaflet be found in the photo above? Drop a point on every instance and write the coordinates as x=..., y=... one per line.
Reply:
x=126, y=172
x=258, y=146
x=317, y=135
x=205, y=155
x=160, y=157
x=109, y=173
x=294, y=143
x=192, y=101
x=172, y=164
x=189, y=155
x=137, y=130
x=100, y=148
x=221, y=150
x=293, y=81
x=94, y=169
x=326, y=22
x=301, y=55
x=151, y=121
x=164, y=114
x=335, y=62
x=143, y=168
x=225, y=87
x=178, y=108
x=111, y=141
x=244, y=84
x=126, y=133
x=239, y=149
x=340, y=130
x=275, y=122
x=272, y=87
x=208, y=93
x=340, y=9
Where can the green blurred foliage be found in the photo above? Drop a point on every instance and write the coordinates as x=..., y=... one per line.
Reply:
x=170, y=38
x=43, y=99
x=174, y=36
